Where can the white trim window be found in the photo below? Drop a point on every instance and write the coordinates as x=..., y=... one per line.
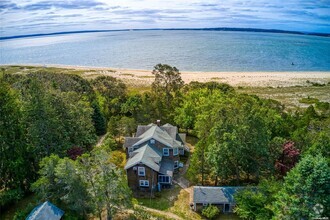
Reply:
x=175, y=151
x=152, y=141
x=141, y=171
x=166, y=152
x=164, y=179
x=176, y=164
x=144, y=183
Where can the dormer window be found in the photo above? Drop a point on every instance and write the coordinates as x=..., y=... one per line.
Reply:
x=152, y=141
x=166, y=152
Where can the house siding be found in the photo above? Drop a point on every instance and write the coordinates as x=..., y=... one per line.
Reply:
x=160, y=147
x=134, y=179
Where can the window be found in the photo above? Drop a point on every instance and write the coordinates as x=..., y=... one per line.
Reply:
x=130, y=149
x=176, y=151
x=205, y=204
x=144, y=183
x=163, y=179
x=152, y=141
x=176, y=164
x=141, y=171
x=166, y=152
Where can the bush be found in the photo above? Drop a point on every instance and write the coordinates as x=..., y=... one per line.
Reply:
x=8, y=197
x=23, y=213
x=323, y=106
x=211, y=211
x=308, y=100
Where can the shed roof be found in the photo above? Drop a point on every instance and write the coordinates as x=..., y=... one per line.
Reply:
x=47, y=211
x=147, y=155
x=214, y=195
x=166, y=167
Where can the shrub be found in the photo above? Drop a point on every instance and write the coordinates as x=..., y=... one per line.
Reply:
x=308, y=100
x=8, y=197
x=323, y=106
x=211, y=211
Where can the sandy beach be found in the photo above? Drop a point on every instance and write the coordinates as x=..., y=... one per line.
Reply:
x=253, y=79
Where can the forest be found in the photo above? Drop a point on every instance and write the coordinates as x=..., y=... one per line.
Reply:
x=50, y=123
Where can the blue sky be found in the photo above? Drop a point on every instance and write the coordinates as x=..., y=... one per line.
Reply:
x=44, y=16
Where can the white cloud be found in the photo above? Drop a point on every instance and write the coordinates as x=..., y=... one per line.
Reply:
x=40, y=16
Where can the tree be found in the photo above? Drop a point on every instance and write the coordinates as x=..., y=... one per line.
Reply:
x=99, y=121
x=167, y=80
x=305, y=186
x=166, y=91
x=288, y=158
x=210, y=211
x=14, y=150
x=87, y=185
x=111, y=94
x=255, y=202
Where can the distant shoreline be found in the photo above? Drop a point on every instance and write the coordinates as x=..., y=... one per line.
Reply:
x=251, y=79
x=171, y=29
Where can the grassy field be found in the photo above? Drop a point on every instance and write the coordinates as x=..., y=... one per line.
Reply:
x=290, y=96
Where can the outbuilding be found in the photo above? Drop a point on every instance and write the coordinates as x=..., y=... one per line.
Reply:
x=222, y=197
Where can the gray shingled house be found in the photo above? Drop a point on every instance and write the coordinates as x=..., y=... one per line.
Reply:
x=222, y=197
x=153, y=156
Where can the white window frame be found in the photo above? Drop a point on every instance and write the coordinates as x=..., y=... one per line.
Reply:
x=141, y=169
x=168, y=151
x=175, y=151
x=176, y=164
x=152, y=141
x=164, y=177
x=144, y=183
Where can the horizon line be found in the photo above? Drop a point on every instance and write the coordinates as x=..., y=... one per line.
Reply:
x=146, y=29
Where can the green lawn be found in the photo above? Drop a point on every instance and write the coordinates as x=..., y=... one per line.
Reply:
x=163, y=201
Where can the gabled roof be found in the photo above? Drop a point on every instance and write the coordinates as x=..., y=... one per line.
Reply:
x=182, y=137
x=155, y=132
x=147, y=155
x=129, y=141
x=214, y=194
x=47, y=211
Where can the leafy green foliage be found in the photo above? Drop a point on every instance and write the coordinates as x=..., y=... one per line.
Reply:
x=308, y=100
x=99, y=121
x=85, y=185
x=14, y=166
x=111, y=94
x=210, y=211
x=305, y=186
x=166, y=89
x=255, y=202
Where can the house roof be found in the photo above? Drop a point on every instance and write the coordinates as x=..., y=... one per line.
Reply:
x=182, y=137
x=166, y=167
x=213, y=194
x=157, y=133
x=129, y=141
x=45, y=210
x=147, y=155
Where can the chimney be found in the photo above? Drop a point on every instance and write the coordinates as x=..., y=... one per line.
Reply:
x=158, y=122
